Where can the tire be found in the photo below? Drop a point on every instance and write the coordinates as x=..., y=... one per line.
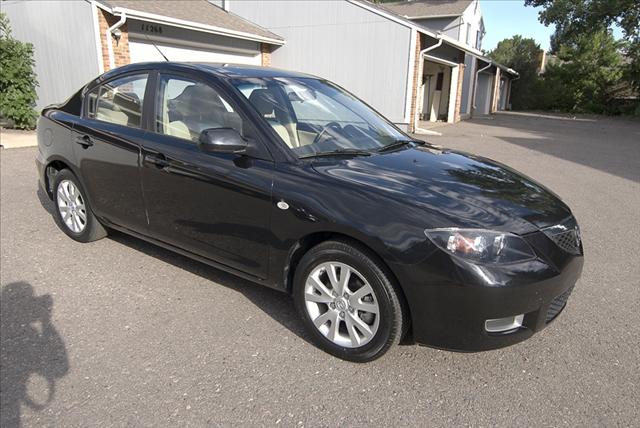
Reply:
x=80, y=224
x=315, y=304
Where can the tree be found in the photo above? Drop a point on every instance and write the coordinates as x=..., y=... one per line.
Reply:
x=522, y=55
x=585, y=78
x=17, y=78
x=575, y=18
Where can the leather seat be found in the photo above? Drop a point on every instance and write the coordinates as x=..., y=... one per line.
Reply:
x=264, y=101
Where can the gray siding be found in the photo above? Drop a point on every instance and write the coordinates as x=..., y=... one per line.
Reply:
x=467, y=84
x=448, y=26
x=64, y=43
x=353, y=47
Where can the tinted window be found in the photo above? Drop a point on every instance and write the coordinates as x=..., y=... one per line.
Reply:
x=119, y=101
x=186, y=108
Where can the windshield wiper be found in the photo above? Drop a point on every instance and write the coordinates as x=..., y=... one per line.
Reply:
x=338, y=152
x=398, y=143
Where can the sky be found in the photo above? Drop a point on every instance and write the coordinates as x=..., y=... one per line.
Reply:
x=506, y=18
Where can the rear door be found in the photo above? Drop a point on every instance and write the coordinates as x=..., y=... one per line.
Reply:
x=107, y=145
x=213, y=204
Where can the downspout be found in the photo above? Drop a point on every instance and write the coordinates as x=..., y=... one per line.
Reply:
x=421, y=56
x=475, y=88
x=112, y=60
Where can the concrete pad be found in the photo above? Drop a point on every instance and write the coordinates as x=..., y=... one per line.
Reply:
x=12, y=139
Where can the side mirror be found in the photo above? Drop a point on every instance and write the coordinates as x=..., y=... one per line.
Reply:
x=222, y=140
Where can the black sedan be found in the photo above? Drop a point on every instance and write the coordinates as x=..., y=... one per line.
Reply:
x=292, y=182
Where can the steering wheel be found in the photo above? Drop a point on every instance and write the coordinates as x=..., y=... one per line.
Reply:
x=330, y=125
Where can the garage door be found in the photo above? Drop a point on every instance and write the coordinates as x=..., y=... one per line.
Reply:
x=143, y=51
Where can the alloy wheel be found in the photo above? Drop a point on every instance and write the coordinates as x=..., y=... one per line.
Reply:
x=71, y=206
x=342, y=304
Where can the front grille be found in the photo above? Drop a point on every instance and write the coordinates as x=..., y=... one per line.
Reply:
x=566, y=236
x=557, y=305
x=568, y=241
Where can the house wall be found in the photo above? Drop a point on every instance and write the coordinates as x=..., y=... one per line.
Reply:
x=483, y=93
x=448, y=26
x=345, y=43
x=470, y=67
x=52, y=28
x=472, y=23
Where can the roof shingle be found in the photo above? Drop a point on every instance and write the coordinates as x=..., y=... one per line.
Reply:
x=196, y=11
x=426, y=8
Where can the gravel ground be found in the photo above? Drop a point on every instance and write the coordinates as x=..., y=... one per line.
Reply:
x=120, y=332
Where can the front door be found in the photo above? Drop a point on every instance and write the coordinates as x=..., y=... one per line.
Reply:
x=215, y=205
x=107, y=147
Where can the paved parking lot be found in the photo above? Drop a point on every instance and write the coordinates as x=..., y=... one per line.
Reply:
x=121, y=332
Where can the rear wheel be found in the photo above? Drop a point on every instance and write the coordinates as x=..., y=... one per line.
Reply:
x=73, y=212
x=348, y=302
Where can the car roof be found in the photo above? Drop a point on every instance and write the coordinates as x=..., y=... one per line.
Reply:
x=220, y=70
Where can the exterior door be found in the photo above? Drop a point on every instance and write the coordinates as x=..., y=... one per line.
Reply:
x=215, y=205
x=107, y=147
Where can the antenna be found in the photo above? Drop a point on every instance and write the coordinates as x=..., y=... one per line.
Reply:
x=157, y=48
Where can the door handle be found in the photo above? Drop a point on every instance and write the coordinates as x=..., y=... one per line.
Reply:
x=158, y=160
x=85, y=141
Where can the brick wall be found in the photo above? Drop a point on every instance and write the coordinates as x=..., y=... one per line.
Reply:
x=416, y=82
x=496, y=90
x=121, y=49
x=265, y=53
x=461, y=66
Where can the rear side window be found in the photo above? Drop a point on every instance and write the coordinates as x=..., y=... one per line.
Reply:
x=119, y=101
x=186, y=108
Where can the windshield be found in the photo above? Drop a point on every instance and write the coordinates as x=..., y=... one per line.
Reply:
x=313, y=116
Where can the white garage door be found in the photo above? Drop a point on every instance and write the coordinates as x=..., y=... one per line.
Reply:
x=143, y=51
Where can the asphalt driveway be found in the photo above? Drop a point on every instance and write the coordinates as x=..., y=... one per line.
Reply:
x=120, y=332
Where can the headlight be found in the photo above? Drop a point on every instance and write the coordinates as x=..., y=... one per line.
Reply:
x=482, y=246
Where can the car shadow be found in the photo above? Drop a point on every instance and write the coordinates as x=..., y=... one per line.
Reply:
x=33, y=355
x=278, y=305
x=274, y=303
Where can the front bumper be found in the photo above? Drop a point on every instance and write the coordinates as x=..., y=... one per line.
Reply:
x=451, y=299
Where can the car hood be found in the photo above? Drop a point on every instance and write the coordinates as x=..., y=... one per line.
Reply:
x=454, y=188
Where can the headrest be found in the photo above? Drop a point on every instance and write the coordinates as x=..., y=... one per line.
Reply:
x=263, y=100
x=127, y=101
x=198, y=97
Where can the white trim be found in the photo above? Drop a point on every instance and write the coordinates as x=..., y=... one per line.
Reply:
x=410, y=76
x=440, y=60
x=453, y=93
x=96, y=33
x=139, y=37
x=190, y=25
x=447, y=15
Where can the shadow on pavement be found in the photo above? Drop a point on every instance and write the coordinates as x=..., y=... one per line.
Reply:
x=274, y=303
x=607, y=144
x=32, y=353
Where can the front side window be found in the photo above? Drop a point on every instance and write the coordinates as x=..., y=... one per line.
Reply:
x=187, y=107
x=119, y=101
x=313, y=116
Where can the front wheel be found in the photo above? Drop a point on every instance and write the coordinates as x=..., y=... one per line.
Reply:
x=73, y=212
x=347, y=301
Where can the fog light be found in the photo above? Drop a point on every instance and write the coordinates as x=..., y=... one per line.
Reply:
x=500, y=325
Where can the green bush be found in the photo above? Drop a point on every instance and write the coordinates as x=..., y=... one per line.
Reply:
x=17, y=79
